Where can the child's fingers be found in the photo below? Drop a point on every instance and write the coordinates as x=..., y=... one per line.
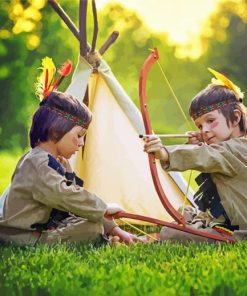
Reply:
x=114, y=241
x=116, y=238
x=137, y=239
x=133, y=239
x=61, y=160
x=194, y=141
x=150, y=138
x=152, y=142
x=194, y=138
x=152, y=149
x=192, y=134
x=154, y=145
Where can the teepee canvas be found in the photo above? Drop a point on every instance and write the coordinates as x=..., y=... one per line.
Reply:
x=113, y=164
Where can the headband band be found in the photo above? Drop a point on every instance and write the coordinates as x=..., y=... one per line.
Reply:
x=68, y=116
x=216, y=106
x=222, y=80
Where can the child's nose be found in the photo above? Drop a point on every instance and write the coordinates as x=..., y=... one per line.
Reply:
x=81, y=141
x=205, y=128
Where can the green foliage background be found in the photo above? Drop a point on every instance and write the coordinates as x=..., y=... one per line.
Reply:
x=224, y=43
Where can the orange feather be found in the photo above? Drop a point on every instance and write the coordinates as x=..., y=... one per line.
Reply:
x=64, y=71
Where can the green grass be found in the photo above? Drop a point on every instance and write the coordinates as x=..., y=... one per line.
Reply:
x=157, y=269
x=154, y=269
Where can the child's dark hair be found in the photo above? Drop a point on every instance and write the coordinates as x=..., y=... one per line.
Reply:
x=216, y=94
x=48, y=124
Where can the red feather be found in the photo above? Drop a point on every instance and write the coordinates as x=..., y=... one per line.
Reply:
x=46, y=81
x=65, y=68
x=63, y=71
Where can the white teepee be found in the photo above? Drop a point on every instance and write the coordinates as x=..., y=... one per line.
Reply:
x=114, y=165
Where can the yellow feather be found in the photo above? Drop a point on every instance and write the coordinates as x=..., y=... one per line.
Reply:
x=45, y=79
x=224, y=81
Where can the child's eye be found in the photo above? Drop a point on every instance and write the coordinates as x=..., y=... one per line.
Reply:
x=210, y=120
x=199, y=127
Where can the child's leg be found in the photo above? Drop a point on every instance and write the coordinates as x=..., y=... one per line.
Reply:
x=200, y=223
x=169, y=234
x=75, y=231
x=20, y=237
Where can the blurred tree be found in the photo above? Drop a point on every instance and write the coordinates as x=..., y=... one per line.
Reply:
x=128, y=55
x=225, y=41
x=13, y=81
x=30, y=30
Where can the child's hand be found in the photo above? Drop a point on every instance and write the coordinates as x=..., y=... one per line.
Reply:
x=124, y=236
x=194, y=138
x=65, y=163
x=153, y=145
x=112, y=208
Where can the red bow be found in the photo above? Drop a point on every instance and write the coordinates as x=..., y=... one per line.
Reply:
x=153, y=57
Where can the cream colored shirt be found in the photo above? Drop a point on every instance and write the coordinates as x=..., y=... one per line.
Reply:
x=227, y=164
x=37, y=188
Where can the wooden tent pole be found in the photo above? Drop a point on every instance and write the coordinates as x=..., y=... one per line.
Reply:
x=96, y=28
x=83, y=27
x=112, y=38
x=65, y=18
x=59, y=10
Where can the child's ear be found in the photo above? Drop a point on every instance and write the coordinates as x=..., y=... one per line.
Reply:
x=237, y=115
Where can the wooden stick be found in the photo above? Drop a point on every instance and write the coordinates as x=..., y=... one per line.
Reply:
x=167, y=136
x=75, y=31
x=112, y=38
x=83, y=27
x=66, y=19
x=95, y=28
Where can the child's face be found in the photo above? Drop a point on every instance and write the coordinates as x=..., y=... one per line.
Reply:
x=71, y=142
x=214, y=128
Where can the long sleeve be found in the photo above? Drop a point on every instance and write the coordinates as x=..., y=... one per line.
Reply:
x=108, y=225
x=216, y=158
x=51, y=189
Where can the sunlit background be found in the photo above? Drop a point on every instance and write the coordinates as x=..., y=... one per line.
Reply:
x=190, y=35
x=183, y=20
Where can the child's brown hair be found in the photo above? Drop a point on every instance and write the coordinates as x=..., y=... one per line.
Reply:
x=58, y=114
x=218, y=97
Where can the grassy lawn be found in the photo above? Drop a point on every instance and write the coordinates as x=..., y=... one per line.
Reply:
x=156, y=269
x=152, y=269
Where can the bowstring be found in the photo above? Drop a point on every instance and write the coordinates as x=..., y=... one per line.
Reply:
x=138, y=229
x=188, y=124
x=190, y=175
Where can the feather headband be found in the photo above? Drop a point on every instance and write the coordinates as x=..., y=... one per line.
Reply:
x=221, y=80
x=46, y=82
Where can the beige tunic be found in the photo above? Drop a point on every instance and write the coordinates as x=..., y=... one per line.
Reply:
x=227, y=164
x=37, y=188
